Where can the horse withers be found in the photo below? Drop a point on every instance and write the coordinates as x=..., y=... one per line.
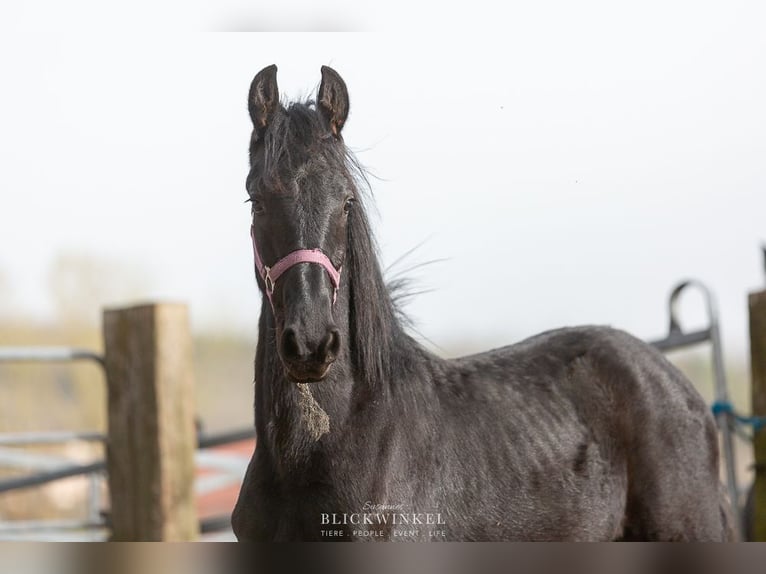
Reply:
x=362, y=434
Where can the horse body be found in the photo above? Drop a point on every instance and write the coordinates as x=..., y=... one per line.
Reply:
x=575, y=434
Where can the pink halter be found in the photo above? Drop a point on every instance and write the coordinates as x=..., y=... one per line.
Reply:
x=271, y=274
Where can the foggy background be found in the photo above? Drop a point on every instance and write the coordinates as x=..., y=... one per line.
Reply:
x=562, y=163
x=565, y=174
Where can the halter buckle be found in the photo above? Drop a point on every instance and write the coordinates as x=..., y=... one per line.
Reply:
x=267, y=280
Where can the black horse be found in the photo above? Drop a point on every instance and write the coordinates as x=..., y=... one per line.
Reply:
x=575, y=434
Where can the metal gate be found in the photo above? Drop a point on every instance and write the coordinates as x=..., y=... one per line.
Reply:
x=726, y=418
x=227, y=469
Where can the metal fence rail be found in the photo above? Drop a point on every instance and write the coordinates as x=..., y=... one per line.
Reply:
x=49, y=437
x=47, y=355
x=227, y=468
x=51, y=468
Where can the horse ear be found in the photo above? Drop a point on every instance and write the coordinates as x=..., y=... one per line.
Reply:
x=263, y=100
x=333, y=99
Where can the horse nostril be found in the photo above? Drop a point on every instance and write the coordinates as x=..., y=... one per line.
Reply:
x=330, y=346
x=291, y=348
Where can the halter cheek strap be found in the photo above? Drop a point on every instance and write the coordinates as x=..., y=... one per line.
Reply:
x=271, y=274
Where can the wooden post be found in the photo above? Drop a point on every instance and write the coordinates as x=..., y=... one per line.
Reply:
x=758, y=369
x=150, y=450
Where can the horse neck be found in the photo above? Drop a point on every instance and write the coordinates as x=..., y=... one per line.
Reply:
x=291, y=418
x=375, y=352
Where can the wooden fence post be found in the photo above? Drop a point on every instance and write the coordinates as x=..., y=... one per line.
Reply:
x=758, y=368
x=152, y=439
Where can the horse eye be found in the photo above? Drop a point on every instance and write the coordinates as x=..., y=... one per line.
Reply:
x=348, y=205
x=258, y=208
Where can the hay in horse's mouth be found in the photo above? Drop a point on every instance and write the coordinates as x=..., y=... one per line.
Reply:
x=316, y=419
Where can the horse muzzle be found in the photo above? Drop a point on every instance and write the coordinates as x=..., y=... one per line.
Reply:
x=308, y=360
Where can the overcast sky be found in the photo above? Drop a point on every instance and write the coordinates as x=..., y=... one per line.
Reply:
x=569, y=166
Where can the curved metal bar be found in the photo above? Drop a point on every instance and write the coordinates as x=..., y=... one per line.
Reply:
x=675, y=296
x=678, y=338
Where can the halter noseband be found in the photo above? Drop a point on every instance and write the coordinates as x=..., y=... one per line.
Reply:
x=271, y=274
